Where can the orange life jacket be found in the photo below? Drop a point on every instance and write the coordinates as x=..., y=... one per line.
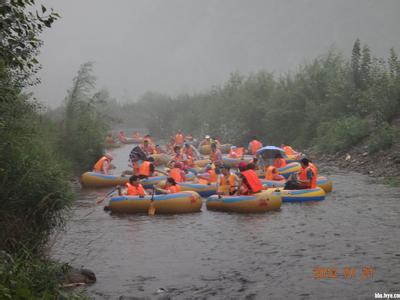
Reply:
x=253, y=180
x=176, y=174
x=279, y=162
x=172, y=189
x=144, y=168
x=98, y=167
x=254, y=146
x=213, y=176
x=289, y=150
x=136, y=167
x=227, y=185
x=135, y=191
x=314, y=168
x=179, y=138
x=271, y=173
x=303, y=177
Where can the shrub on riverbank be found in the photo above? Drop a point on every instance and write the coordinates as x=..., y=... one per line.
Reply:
x=24, y=276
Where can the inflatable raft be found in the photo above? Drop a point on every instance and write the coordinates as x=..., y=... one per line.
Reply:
x=93, y=179
x=204, y=190
x=129, y=140
x=205, y=149
x=257, y=203
x=201, y=163
x=225, y=148
x=161, y=159
x=322, y=182
x=234, y=162
x=316, y=194
x=285, y=171
x=178, y=203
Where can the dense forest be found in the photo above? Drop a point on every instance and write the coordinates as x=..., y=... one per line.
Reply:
x=330, y=104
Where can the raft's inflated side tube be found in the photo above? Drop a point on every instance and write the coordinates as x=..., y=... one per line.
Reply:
x=129, y=140
x=316, y=194
x=201, y=163
x=93, y=179
x=225, y=148
x=178, y=203
x=234, y=162
x=322, y=182
x=204, y=190
x=285, y=171
x=161, y=159
x=325, y=183
x=293, y=158
x=152, y=181
x=257, y=203
x=205, y=149
x=291, y=168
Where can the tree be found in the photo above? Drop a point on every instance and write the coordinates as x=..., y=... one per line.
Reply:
x=355, y=63
x=365, y=67
x=19, y=37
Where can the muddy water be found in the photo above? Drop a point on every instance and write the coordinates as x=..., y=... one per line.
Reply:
x=212, y=255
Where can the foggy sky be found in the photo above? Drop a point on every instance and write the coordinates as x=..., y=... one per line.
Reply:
x=176, y=46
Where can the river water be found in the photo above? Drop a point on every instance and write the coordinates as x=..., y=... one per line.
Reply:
x=354, y=235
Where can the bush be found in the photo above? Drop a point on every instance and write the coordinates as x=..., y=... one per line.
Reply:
x=340, y=134
x=34, y=190
x=24, y=276
x=382, y=138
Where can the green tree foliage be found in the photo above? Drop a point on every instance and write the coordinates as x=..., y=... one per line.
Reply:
x=84, y=127
x=20, y=25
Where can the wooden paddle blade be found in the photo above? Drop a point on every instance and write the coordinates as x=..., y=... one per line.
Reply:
x=152, y=209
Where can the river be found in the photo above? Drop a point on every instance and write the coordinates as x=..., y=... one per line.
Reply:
x=354, y=235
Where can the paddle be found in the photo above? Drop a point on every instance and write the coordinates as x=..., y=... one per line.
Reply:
x=152, y=209
x=106, y=196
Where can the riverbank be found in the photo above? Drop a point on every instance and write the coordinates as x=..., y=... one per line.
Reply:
x=384, y=166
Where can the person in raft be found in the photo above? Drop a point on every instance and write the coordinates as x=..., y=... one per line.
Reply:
x=146, y=168
x=216, y=155
x=134, y=187
x=177, y=172
x=103, y=164
x=146, y=147
x=171, y=187
x=254, y=145
x=290, y=151
x=206, y=141
x=306, y=178
x=179, y=138
x=227, y=182
x=279, y=161
x=271, y=173
x=250, y=184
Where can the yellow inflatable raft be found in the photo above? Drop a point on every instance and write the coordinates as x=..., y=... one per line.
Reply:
x=205, y=149
x=234, y=162
x=322, y=182
x=161, y=159
x=201, y=163
x=178, y=203
x=93, y=179
x=316, y=194
x=257, y=203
